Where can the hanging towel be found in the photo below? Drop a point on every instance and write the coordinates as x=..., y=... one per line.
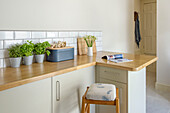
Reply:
x=137, y=32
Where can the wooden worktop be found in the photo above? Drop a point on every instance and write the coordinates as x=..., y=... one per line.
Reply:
x=138, y=63
x=12, y=77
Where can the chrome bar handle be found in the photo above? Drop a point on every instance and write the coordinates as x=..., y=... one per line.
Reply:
x=57, y=91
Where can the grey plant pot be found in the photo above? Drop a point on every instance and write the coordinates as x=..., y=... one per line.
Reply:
x=28, y=60
x=39, y=58
x=15, y=62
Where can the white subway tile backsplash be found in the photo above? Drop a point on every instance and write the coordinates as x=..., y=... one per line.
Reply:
x=1, y=63
x=82, y=34
x=49, y=40
x=1, y=44
x=98, y=44
x=6, y=62
x=33, y=41
x=58, y=39
x=6, y=34
x=64, y=34
x=69, y=40
x=73, y=45
x=74, y=34
x=99, y=39
x=75, y=52
x=38, y=34
x=52, y=34
x=98, y=34
x=91, y=33
x=22, y=35
x=75, y=40
x=99, y=48
x=8, y=43
x=4, y=53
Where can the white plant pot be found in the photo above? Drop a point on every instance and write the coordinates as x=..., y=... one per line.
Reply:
x=15, y=62
x=28, y=60
x=39, y=58
x=90, y=51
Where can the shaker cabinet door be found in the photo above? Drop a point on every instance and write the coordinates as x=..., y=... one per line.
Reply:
x=34, y=97
x=69, y=88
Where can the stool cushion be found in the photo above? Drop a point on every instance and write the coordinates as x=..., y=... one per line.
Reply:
x=98, y=91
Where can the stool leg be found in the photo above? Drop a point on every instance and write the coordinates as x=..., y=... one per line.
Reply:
x=88, y=111
x=83, y=106
x=117, y=105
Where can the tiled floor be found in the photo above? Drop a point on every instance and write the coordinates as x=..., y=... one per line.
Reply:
x=157, y=101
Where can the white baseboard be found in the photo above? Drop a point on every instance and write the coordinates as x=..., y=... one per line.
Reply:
x=162, y=87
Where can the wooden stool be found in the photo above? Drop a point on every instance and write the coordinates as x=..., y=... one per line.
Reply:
x=86, y=102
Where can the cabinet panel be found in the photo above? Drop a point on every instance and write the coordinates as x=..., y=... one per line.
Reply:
x=29, y=98
x=122, y=95
x=69, y=88
x=112, y=74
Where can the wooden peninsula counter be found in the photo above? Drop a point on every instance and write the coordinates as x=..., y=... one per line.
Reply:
x=55, y=87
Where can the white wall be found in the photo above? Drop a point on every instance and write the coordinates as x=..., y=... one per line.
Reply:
x=137, y=5
x=163, y=43
x=113, y=17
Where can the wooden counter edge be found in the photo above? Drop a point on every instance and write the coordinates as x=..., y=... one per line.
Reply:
x=44, y=76
x=146, y=64
x=113, y=66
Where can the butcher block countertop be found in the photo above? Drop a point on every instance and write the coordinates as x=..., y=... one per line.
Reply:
x=12, y=77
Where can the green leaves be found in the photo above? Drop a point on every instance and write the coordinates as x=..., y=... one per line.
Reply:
x=27, y=48
x=40, y=48
x=15, y=51
x=89, y=40
x=48, y=52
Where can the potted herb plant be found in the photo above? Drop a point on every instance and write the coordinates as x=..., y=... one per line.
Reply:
x=15, y=55
x=27, y=51
x=89, y=41
x=40, y=50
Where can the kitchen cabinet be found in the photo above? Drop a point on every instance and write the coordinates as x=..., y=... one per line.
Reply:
x=34, y=97
x=132, y=89
x=59, y=94
x=69, y=88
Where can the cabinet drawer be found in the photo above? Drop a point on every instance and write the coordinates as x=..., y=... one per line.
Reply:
x=112, y=74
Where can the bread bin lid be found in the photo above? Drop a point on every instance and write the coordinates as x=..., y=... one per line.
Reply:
x=68, y=47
